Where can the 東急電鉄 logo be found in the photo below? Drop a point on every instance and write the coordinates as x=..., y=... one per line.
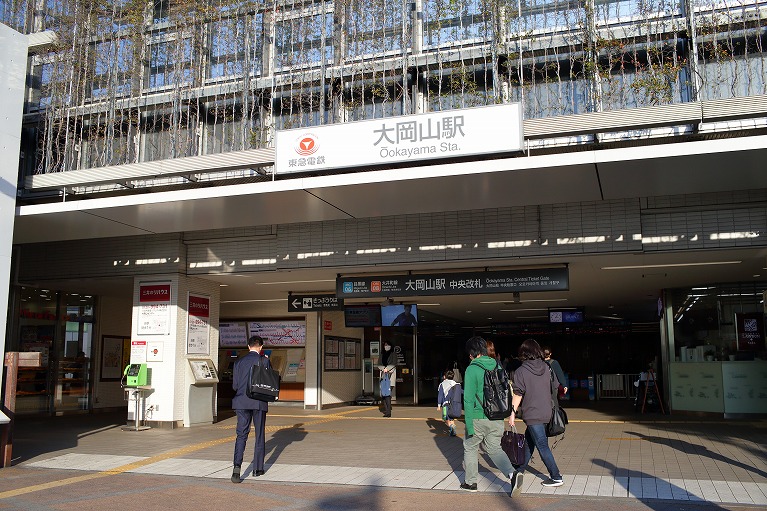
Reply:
x=307, y=144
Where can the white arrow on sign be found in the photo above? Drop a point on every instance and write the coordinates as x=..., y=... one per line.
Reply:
x=295, y=303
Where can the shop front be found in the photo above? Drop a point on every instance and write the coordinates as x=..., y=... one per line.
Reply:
x=716, y=349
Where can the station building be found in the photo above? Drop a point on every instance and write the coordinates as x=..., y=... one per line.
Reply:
x=179, y=176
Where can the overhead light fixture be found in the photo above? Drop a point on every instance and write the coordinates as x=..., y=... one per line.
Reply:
x=252, y=301
x=528, y=301
x=427, y=304
x=293, y=282
x=670, y=265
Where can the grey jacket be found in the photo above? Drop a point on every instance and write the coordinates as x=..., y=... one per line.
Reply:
x=533, y=382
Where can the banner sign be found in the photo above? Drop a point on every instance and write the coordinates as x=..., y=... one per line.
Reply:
x=154, y=308
x=749, y=331
x=314, y=303
x=198, y=330
x=279, y=334
x=509, y=281
x=455, y=133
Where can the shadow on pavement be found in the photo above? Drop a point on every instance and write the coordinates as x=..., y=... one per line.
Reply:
x=689, y=448
x=450, y=447
x=367, y=497
x=33, y=436
x=659, y=503
x=281, y=439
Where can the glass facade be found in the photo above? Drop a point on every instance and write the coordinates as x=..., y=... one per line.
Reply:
x=60, y=327
x=321, y=62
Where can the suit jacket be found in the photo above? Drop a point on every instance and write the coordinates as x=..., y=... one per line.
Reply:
x=241, y=380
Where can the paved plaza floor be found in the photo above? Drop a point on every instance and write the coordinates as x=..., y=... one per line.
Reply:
x=608, y=452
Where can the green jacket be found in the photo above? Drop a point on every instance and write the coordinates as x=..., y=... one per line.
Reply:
x=474, y=390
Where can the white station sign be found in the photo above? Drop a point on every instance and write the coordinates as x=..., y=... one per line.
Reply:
x=449, y=134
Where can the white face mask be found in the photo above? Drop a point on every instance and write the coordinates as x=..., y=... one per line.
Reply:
x=387, y=348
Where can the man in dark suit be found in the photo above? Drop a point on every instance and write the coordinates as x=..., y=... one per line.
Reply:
x=248, y=410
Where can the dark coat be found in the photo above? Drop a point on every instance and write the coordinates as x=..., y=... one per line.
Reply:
x=241, y=380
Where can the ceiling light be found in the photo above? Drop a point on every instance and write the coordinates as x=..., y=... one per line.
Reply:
x=293, y=282
x=251, y=301
x=670, y=265
x=528, y=301
x=427, y=304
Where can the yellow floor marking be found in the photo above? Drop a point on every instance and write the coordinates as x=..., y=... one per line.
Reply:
x=168, y=455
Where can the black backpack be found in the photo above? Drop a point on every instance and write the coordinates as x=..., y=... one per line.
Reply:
x=497, y=394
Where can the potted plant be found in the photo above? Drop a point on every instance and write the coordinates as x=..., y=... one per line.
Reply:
x=709, y=356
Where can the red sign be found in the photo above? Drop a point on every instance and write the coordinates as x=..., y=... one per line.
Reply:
x=199, y=306
x=327, y=325
x=154, y=293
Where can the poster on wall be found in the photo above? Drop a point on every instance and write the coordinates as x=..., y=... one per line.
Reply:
x=154, y=308
x=283, y=334
x=138, y=352
x=112, y=357
x=750, y=331
x=232, y=335
x=198, y=329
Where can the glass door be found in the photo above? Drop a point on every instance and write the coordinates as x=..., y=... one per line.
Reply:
x=403, y=342
x=74, y=354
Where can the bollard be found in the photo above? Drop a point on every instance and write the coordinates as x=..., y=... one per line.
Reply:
x=11, y=370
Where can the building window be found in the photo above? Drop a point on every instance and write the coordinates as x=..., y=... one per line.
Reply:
x=236, y=47
x=304, y=40
x=375, y=28
x=171, y=62
x=455, y=22
x=111, y=68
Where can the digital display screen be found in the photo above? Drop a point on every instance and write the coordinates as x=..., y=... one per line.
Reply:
x=399, y=315
x=566, y=316
x=362, y=315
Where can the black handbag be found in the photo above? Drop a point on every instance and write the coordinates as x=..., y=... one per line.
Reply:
x=558, y=421
x=264, y=382
x=513, y=444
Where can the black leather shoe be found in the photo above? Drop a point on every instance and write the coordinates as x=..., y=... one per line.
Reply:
x=236, y=475
x=258, y=473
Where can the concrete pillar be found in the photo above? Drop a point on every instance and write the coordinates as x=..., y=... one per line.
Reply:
x=12, y=79
x=163, y=337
